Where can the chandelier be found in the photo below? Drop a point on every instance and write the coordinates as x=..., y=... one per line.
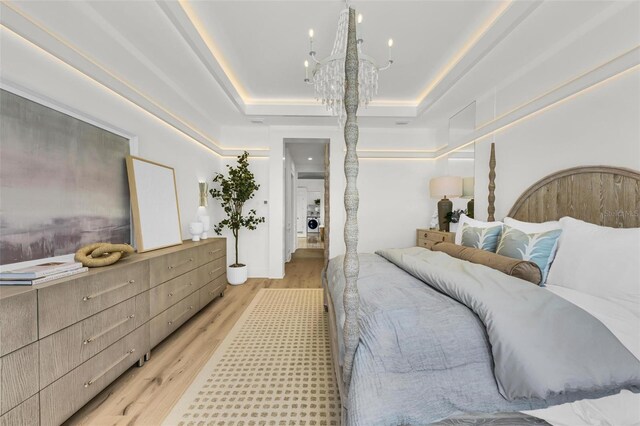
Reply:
x=328, y=75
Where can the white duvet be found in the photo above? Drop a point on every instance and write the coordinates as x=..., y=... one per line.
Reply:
x=616, y=410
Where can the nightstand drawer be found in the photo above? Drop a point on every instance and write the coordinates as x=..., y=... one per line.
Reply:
x=435, y=236
x=426, y=243
x=427, y=238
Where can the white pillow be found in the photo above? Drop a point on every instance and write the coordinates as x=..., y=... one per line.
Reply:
x=474, y=223
x=600, y=261
x=530, y=227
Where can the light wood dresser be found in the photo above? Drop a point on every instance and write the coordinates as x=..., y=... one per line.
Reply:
x=62, y=342
x=428, y=237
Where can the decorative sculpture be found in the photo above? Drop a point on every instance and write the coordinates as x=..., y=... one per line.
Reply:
x=351, y=329
x=102, y=254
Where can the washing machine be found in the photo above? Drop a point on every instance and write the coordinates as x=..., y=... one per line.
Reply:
x=313, y=224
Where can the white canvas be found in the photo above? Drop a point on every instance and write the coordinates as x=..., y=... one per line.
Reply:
x=157, y=205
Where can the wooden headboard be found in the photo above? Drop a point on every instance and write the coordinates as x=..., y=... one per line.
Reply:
x=607, y=196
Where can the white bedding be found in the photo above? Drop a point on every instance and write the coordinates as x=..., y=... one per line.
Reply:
x=616, y=410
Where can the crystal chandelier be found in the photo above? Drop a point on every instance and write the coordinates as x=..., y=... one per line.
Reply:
x=327, y=77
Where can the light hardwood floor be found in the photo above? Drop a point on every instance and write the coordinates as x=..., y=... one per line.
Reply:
x=144, y=396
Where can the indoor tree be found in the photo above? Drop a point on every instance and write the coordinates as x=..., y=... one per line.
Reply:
x=235, y=190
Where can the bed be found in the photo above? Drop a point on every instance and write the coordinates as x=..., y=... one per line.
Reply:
x=422, y=357
x=420, y=337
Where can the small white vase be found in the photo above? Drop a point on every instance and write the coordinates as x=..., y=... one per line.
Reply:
x=237, y=275
x=206, y=224
x=195, y=228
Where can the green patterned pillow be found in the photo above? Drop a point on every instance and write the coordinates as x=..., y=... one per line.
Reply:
x=538, y=248
x=480, y=238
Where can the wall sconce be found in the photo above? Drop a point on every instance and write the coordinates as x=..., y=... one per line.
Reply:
x=204, y=188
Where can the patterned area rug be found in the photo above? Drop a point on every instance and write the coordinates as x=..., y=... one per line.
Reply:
x=273, y=368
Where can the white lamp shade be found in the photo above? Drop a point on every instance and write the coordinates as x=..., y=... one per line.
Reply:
x=445, y=186
x=467, y=187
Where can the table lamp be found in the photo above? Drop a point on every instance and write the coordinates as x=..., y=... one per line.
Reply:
x=467, y=192
x=445, y=186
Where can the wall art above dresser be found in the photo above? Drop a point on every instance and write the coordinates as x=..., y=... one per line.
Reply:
x=63, y=182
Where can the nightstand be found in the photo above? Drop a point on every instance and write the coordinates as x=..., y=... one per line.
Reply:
x=428, y=237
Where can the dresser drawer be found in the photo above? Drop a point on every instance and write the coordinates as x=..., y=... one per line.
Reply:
x=25, y=414
x=212, y=290
x=18, y=377
x=168, y=321
x=18, y=321
x=212, y=270
x=63, y=304
x=169, y=266
x=212, y=251
x=168, y=294
x=63, y=351
x=65, y=396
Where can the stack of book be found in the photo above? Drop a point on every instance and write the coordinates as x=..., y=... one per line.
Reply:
x=42, y=273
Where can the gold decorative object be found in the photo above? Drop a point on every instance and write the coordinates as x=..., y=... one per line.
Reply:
x=204, y=190
x=102, y=254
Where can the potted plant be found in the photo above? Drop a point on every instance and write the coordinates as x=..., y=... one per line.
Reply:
x=235, y=190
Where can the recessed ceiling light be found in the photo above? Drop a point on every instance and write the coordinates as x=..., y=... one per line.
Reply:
x=402, y=122
x=257, y=120
x=310, y=158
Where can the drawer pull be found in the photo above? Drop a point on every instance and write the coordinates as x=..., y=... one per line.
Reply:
x=214, y=251
x=180, y=289
x=215, y=270
x=102, y=333
x=106, y=370
x=100, y=293
x=170, y=267
x=180, y=316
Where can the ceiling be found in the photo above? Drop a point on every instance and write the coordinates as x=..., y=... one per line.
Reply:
x=201, y=65
x=301, y=150
x=266, y=55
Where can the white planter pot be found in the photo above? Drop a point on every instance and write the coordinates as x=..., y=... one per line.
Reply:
x=237, y=275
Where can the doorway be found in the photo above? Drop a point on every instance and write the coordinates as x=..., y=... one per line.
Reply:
x=306, y=197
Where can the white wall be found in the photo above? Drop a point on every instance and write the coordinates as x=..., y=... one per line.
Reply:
x=379, y=192
x=45, y=76
x=599, y=126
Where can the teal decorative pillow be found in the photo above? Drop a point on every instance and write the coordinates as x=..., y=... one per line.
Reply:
x=480, y=238
x=536, y=247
